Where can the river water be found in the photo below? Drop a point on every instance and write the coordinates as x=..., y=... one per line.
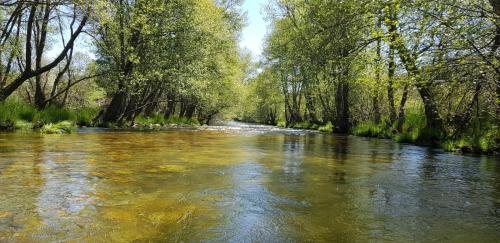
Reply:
x=241, y=183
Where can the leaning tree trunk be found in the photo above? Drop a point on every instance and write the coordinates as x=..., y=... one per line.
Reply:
x=432, y=116
x=116, y=108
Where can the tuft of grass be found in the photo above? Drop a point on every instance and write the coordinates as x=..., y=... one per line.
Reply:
x=282, y=124
x=54, y=114
x=326, y=128
x=23, y=125
x=63, y=127
x=305, y=125
x=370, y=129
x=414, y=130
x=154, y=119
x=84, y=116
x=414, y=120
x=14, y=109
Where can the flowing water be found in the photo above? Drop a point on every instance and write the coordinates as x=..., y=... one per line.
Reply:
x=241, y=183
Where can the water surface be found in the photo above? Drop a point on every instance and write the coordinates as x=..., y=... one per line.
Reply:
x=241, y=183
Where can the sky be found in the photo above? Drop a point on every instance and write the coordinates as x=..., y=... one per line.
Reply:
x=255, y=32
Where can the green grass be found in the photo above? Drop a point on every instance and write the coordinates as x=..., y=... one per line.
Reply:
x=63, y=127
x=16, y=114
x=161, y=120
x=15, y=109
x=84, y=116
x=154, y=119
x=326, y=128
x=23, y=125
x=371, y=129
x=414, y=131
x=54, y=114
x=305, y=125
x=486, y=142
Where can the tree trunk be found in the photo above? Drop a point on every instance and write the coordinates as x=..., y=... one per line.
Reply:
x=116, y=108
x=342, y=123
x=375, y=98
x=170, y=108
x=392, y=68
x=402, y=115
x=434, y=121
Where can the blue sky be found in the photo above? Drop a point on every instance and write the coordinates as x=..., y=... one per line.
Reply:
x=255, y=32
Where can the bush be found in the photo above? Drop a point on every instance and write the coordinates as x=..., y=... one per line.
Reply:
x=64, y=127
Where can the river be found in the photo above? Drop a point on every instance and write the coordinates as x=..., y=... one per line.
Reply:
x=241, y=183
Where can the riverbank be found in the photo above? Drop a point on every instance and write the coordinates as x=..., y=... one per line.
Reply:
x=413, y=131
x=16, y=115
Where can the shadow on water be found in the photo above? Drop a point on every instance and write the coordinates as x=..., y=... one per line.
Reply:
x=241, y=182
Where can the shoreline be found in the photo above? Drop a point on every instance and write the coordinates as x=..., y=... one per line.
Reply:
x=166, y=127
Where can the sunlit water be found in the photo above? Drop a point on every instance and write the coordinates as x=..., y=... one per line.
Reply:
x=241, y=183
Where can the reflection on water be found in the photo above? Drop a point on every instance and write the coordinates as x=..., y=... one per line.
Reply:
x=241, y=183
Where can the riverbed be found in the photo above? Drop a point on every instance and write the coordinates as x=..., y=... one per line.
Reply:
x=241, y=183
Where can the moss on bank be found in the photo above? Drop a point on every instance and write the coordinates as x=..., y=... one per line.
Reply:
x=64, y=127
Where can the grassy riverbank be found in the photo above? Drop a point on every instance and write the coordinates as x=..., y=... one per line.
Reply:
x=484, y=140
x=413, y=131
x=17, y=115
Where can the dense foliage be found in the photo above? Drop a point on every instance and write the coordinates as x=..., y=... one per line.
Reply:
x=130, y=57
x=417, y=71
